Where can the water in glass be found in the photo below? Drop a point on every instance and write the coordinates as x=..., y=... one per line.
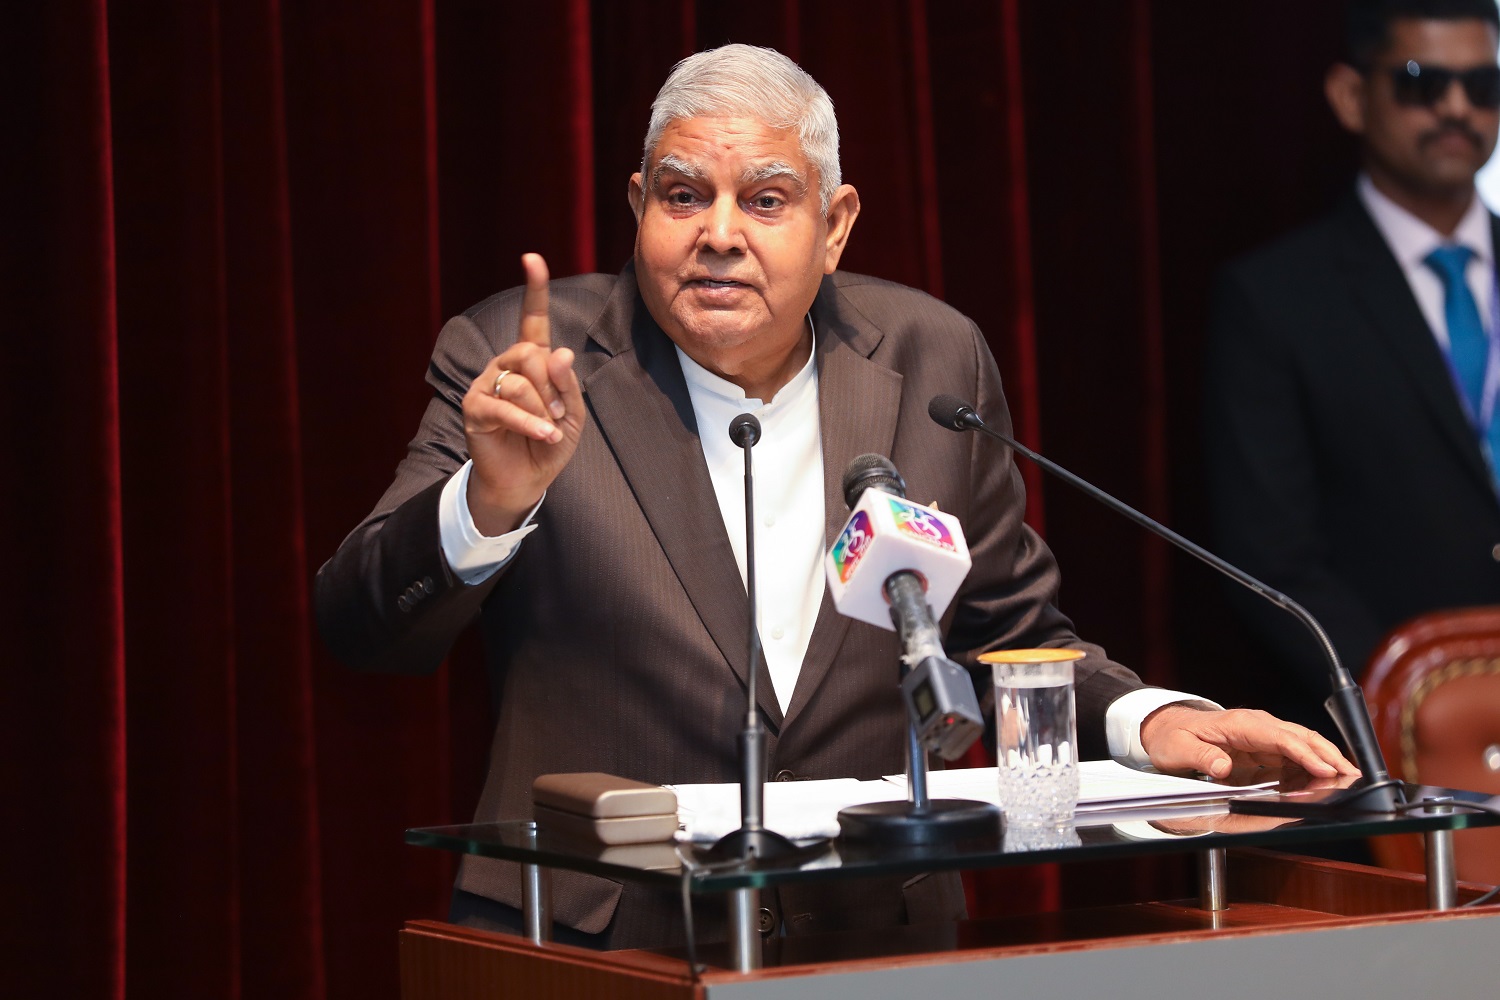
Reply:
x=1037, y=742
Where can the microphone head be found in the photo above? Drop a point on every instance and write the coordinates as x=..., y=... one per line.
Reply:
x=953, y=413
x=871, y=470
x=744, y=430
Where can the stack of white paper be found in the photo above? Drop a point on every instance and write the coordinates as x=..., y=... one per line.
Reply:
x=1108, y=792
x=797, y=810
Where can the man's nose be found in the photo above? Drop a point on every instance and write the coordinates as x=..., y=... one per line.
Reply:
x=723, y=226
x=1455, y=101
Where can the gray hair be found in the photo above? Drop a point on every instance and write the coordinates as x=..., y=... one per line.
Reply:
x=751, y=82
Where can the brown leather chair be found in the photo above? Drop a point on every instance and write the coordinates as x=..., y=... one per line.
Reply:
x=1434, y=691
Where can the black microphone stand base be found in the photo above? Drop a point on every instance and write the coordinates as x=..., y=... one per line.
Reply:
x=755, y=845
x=899, y=824
x=1362, y=797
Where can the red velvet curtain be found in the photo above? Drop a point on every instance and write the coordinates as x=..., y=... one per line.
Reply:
x=229, y=234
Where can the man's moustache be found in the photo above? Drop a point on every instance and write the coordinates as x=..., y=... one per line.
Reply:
x=1452, y=128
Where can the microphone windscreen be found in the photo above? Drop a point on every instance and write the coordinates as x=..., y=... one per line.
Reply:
x=744, y=430
x=871, y=470
x=950, y=412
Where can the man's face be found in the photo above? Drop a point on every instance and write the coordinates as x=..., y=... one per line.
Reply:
x=732, y=243
x=1424, y=150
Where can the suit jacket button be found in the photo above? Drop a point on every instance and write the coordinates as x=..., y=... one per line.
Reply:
x=1495, y=553
x=766, y=921
x=403, y=602
x=784, y=775
x=427, y=585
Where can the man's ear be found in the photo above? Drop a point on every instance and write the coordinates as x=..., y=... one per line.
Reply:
x=1344, y=86
x=637, y=197
x=842, y=211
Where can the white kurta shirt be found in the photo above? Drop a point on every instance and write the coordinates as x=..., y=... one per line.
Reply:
x=788, y=478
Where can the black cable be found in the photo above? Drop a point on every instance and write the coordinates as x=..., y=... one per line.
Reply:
x=1482, y=900
x=1482, y=807
x=694, y=969
x=691, y=870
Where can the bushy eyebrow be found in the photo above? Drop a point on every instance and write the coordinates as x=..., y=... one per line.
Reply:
x=773, y=171
x=755, y=175
x=676, y=165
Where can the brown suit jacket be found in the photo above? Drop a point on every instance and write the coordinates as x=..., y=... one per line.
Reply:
x=616, y=638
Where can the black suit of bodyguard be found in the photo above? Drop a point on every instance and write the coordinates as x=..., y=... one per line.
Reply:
x=1343, y=467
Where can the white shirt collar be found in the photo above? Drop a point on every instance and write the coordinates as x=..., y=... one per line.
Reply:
x=1411, y=239
x=701, y=379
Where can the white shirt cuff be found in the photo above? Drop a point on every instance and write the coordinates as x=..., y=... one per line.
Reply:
x=1123, y=718
x=473, y=557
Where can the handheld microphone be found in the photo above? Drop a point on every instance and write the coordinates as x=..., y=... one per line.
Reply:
x=1376, y=792
x=886, y=534
x=890, y=560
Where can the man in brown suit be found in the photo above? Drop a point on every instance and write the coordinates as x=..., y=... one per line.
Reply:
x=580, y=415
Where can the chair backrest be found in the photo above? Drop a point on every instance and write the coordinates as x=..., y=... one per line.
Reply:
x=1434, y=691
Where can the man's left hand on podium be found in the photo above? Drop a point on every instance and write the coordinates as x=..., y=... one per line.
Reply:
x=1180, y=738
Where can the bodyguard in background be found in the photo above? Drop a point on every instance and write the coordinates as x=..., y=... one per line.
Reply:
x=1353, y=366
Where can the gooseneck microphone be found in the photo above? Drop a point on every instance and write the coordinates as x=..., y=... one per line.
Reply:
x=752, y=840
x=1376, y=791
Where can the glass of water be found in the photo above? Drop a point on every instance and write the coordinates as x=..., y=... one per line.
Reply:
x=1036, y=735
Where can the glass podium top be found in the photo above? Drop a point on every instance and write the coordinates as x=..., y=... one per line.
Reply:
x=1099, y=836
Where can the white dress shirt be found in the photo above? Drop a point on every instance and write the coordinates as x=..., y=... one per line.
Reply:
x=1411, y=240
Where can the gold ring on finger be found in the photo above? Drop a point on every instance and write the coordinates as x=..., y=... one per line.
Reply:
x=500, y=378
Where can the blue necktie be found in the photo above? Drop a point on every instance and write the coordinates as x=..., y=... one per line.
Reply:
x=1468, y=347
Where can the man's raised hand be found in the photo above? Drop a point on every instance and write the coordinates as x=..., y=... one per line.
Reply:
x=523, y=416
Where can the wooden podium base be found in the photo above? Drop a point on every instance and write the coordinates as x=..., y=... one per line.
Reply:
x=1293, y=927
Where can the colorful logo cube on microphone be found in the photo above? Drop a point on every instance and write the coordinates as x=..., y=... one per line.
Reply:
x=887, y=534
x=921, y=523
x=852, y=543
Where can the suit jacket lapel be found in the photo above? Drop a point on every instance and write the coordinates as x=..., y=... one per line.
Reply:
x=858, y=403
x=641, y=406
x=1381, y=286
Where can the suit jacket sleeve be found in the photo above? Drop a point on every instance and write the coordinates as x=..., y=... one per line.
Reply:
x=1264, y=485
x=387, y=600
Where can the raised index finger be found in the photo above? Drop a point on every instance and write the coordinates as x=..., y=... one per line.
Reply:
x=534, y=326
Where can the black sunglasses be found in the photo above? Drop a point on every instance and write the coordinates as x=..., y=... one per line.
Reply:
x=1426, y=85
